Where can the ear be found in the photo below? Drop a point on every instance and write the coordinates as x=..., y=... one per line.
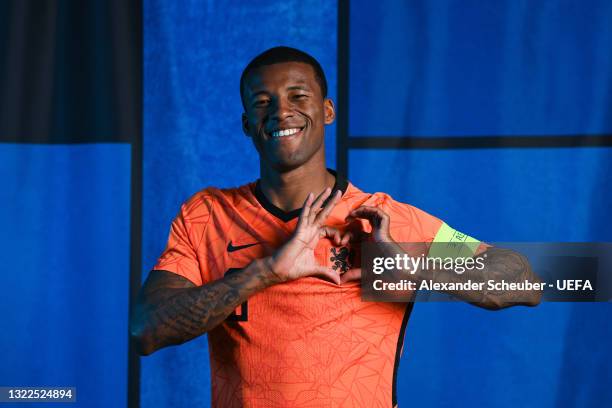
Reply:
x=245, y=125
x=329, y=111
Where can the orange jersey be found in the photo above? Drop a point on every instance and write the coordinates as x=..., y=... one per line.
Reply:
x=305, y=343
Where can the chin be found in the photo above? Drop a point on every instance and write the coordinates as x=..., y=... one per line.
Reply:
x=289, y=159
x=286, y=162
x=284, y=166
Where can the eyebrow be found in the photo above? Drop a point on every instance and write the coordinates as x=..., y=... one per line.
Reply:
x=291, y=88
x=253, y=95
x=298, y=87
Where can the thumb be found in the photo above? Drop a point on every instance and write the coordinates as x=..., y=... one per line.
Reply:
x=353, y=274
x=328, y=273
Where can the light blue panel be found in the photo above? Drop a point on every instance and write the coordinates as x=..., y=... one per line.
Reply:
x=472, y=67
x=456, y=355
x=500, y=195
x=65, y=255
x=194, y=53
x=555, y=355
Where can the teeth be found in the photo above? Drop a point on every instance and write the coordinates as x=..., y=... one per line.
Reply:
x=285, y=132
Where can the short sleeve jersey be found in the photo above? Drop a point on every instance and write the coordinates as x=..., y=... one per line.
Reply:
x=304, y=343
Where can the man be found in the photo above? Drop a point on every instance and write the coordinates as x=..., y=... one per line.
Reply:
x=265, y=268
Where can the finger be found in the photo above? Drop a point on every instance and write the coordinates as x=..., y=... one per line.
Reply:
x=353, y=215
x=347, y=237
x=316, y=206
x=307, y=204
x=355, y=231
x=305, y=210
x=322, y=216
x=377, y=217
x=321, y=198
x=328, y=273
x=353, y=274
x=331, y=232
x=365, y=211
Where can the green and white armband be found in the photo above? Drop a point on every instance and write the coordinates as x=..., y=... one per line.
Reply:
x=451, y=243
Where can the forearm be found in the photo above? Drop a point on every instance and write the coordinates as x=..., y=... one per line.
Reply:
x=169, y=316
x=499, y=265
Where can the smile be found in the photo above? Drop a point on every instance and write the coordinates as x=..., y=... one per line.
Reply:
x=285, y=132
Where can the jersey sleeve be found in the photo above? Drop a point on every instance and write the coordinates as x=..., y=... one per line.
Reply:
x=410, y=224
x=185, y=248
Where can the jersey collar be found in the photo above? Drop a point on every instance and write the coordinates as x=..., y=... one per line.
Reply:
x=286, y=216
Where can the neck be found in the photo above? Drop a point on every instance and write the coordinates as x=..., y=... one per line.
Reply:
x=288, y=190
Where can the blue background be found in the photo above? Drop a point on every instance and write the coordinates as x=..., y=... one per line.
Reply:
x=471, y=67
x=65, y=256
x=420, y=68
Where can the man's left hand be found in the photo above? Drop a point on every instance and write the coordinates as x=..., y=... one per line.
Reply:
x=379, y=222
x=378, y=219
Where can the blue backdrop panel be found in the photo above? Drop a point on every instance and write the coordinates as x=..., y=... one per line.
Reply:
x=456, y=352
x=194, y=53
x=554, y=356
x=65, y=255
x=472, y=67
x=500, y=195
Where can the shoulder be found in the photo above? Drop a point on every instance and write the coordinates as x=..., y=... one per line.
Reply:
x=204, y=202
x=382, y=200
x=408, y=222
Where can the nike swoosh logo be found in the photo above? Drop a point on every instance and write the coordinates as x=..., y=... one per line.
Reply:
x=231, y=248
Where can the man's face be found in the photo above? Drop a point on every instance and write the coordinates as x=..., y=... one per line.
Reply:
x=285, y=114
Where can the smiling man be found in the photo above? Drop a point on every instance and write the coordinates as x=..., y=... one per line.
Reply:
x=268, y=269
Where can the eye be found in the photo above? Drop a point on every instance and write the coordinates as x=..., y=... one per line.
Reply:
x=300, y=96
x=261, y=103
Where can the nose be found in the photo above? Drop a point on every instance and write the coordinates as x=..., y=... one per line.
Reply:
x=281, y=110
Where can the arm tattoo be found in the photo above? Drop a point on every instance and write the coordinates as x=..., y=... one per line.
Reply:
x=505, y=264
x=172, y=310
x=499, y=264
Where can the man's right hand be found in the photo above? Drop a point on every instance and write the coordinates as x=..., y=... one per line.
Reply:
x=296, y=259
x=170, y=309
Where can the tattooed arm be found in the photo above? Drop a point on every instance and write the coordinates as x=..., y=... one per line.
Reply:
x=171, y=310
x=499, y=264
